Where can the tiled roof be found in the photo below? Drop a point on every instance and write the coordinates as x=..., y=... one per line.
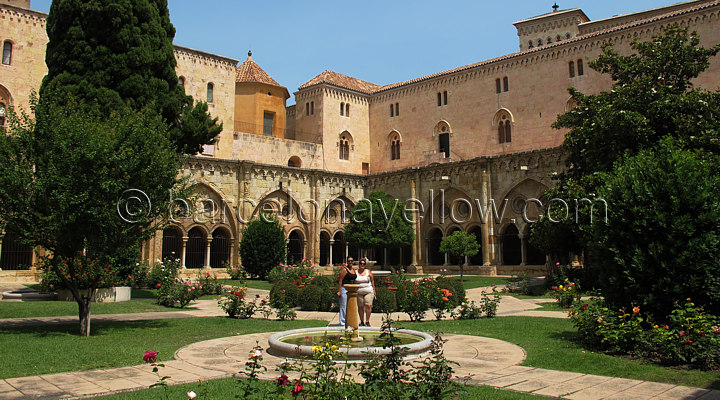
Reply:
x=343, y=81
x=249, y=71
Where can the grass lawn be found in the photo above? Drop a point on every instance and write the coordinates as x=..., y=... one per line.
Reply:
x=251, y=283
x=552, y=343
x=57, y=348
x=474, y=281
x=230, y=388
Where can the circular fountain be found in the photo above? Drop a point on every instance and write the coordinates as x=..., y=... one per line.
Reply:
x=298, y=343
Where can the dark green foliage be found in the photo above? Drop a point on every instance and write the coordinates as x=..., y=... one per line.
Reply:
x=262, y=246
x=460, y=244
x=315, y=298
x=384, y=301
x=378, y=222
x=117, y=53
x=455, y=286
x=284, y=293
x=325, y=281
x=662, y=242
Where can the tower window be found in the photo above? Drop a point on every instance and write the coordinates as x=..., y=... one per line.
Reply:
x=344, y=148
x=181, y=81
x=307, y=108
x=268, y=119
x=580, y=67
x=504, y=130
x=530, y=44
x=397, y=108
x=210, y=89
x=445, y=144
x=395, y=148
x=445, y=97
x=342, y=109
x=7, y=53
x=347, y=109
x=392, y=110
x=506, y=84
x=439, y=99
x=312, y=108
x=498, y=86
x=571, y=66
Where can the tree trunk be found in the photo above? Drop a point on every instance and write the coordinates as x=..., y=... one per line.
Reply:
x=462, y=267
x=84, y=315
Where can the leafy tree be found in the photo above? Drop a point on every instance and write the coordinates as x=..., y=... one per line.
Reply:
x=119, y=52
x=652, y=97
x=62, y=180
x=262, y=246
x=662, y=242
x=379, y=221
x=461, y=245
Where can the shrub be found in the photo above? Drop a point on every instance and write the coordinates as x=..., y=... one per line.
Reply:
x=566, y=294
x=178, y=292
x=284, y=293
x=163, y=272
x=315, y=298
x=301, y=273
x=209, y=284
x=384, y=301
x=468, y=310
x=671, y=197
x=263, y=246
x=414, y=298
x=455, y=286
x=236, y=273
x=233, y=303
x=489, y=304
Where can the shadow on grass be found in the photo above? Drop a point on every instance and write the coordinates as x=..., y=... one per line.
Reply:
x=73, y=327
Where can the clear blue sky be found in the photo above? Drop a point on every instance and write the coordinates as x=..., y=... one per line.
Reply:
x=378, y=41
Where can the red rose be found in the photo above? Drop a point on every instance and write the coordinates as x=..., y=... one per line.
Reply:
x=150, y=356
x=158, y=285
x=283, y=380
x=257, y=296
x=414, y=291
x=688, y=341
x=297, y=389
x=584, y=307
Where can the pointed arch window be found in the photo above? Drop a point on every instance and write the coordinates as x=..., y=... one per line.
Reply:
x=504, y=128
x=580, y=68
x=344, y=147
x=394, y=147
x=342, y=109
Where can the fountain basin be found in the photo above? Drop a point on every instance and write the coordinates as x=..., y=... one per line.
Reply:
x=293, y=343
x=28, y=295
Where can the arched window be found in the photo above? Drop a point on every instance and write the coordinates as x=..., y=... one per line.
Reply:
x=342, y=109
x=397, y=108
x=571, y=66
x=392, y=110
x=504, y=126
x=219, y=248
x=580, y=67
x=210, y=89
x=439, y=99
x=567, y=35
x=506, y=84
x=295, y=161
x=498, y=85
x=344, y=146
x=7, y=53
x=530, y=44
x=445, y=97
x=442, y=130
x=307, y=108
x=394, y=146
x=539, y=42
x=558, y=38
x=347, y=109
x=549, y=40
x=312, y=108
x=181, y=81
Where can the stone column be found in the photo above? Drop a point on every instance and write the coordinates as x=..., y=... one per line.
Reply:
x=346, y=250
x=330, y=261
x=427, y=251
x=352, y=317
x=315, y=231
x=417, y=245
x=523, y=247
x=385, y=259
x=207, y=253
x=182, y=252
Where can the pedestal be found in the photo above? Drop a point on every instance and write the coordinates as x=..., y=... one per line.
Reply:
x=352, y=317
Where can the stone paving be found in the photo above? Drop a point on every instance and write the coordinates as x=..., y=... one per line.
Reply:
x=482, y=361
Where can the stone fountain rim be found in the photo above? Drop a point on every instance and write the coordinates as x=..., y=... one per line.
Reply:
x=287, y=349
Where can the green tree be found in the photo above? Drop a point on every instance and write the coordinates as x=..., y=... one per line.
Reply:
x=461, y=245
x=652, y=97
x=379, y=221
x=662, y=242
x=63, y=182
x=263, y=245
x=120, y=52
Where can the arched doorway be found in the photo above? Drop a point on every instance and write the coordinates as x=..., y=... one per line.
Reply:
x=338, y=248
x=171, y=243
x=220, y=248
x=435, y=257
x=324, y=248
x=477, y=259
x=511, y=251
x=533, y=255
x=15, y=255
x=294, y=247
x=196, y=247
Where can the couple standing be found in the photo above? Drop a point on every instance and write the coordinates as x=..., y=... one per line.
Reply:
x=365, y=293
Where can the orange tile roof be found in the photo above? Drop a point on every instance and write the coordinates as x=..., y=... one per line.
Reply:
x=343, y=81
x=249, y=71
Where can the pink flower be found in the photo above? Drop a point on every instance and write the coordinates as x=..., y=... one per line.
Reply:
x=150, y=356
x=688, y=341
x=158, y=285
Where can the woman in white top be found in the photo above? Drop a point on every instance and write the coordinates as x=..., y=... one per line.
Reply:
x=365, y=293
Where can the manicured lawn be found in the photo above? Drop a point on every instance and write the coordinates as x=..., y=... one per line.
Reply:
x=251, y=283
x=57, y=348
x=552, y=343
x=230, y=388
x=474, y=281
x=29, y=309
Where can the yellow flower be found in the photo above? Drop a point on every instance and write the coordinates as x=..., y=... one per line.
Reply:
x=316, y=348
x=333, y=347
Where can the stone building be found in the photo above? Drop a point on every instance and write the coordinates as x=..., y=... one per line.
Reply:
x=448, y=146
